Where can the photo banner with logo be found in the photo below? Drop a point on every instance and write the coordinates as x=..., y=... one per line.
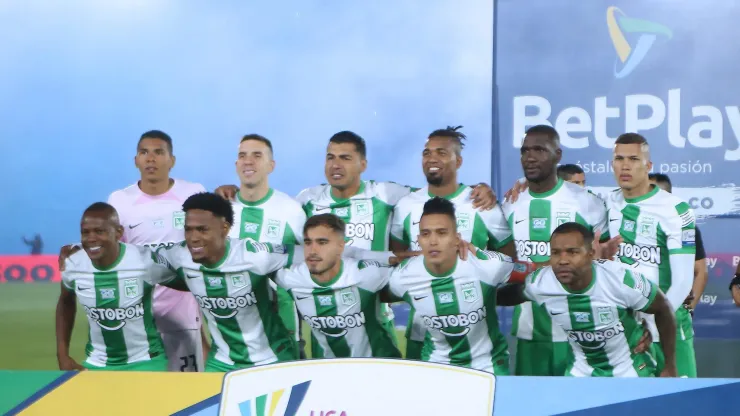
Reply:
x=597, y=69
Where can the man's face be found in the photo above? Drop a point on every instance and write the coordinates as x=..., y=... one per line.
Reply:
x=205, y=235
x=438, y=238
x=254, y=163
x=153, y=159
x=578, y=179
x=99, y=235
x=439, y=160
x=539, y=157
x=344, y=165
x=569, y=258
x=631, y=168
x=322, y=248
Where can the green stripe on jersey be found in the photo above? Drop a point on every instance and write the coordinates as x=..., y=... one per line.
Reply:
x=540, y=224
x=459, y=345
x=629, y=234
x=381, y=341
x=582, y=319
x=381, y=217
x=278, y=337
x=107, y=296
x=152, y=335
x=664, y=268
x=215, y=285
x=254, y=217
x=326, y=305
x=498, y=340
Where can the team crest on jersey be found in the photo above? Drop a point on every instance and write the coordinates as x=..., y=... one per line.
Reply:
x=108, y=293
x=348, y=298
x=341, y=212
x=273, y=228
x=178, y=220
x=582, y=316
x=445, y=297
x=131, y=288
x=469, y=293
x=325, y=300
x=362, y=208
x=629, y=226
x=562, y=217
x=539, y=223
x=238, y=281
x=214, y=281
x=606, y=315
x=463, y=222
x=647, y=226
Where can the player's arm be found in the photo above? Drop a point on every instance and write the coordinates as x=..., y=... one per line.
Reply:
x=400, y=229
x=516, y=293
x=65, y=322
x=665, y=321
x=681, y=243
x=600, y=216
x=500, y=237
x=700, y=272
x=268, y=258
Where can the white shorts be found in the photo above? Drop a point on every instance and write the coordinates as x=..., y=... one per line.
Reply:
x=184, y=350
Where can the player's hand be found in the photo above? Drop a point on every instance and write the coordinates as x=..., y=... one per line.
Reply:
x=69, y=364
x=66, y=252
x=464, y=247
x=513, y=194
x=227, y=192
x=608, y=249
x=669, y=371
x=400, y=256
x=689, y=303
x=645, y=341
x=483, y=197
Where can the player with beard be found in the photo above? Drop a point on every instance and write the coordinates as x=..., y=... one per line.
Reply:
x=441, y=159
x=542, y=346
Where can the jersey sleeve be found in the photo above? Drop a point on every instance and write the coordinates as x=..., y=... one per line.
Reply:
x=268, y=258
x=680, y=230
x=400, y=224
x=531, y=287
x=375, y=275
x=305, y=198
x=395, y=285
x=67, y=279
x=114, y=200
x=391, y=192
x=296, y=222
x=161, y=271
x=499, y=233
x=496, y=267
x=637, y=292
x=282, y=278
x=598, y=216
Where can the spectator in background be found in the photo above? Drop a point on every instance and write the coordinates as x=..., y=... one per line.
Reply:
x=36, y=244
x=573, y=174
x=700, y=262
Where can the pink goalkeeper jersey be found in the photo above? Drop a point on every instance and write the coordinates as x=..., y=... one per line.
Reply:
x=157, y=221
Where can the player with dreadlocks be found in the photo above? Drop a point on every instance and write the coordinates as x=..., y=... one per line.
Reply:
x=487, y=230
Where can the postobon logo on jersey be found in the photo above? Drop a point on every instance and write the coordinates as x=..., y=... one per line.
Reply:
x=361, y=230
x=460, y=320
x=114, y=314
x=526, y=248
x=340, y=322
x=229, y=304
x=587, y=339
x=643, y=254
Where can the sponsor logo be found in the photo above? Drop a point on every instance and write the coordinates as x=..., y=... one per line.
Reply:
x=341, y=212
x=592, y=340
x=584, y=317
x=108, y=293
x=688, y=237
x=645, y=34
x=643, y=254
x=156, y=246
x=250, y=227
x=256, y=406
x=325, y=300
x=113, y=319
x=460, y=322
x=527, y=248
x=226, y=307
x=445, y=297
x=629, y=226
x=363, y=230
x=336, y=325
x=539, y=223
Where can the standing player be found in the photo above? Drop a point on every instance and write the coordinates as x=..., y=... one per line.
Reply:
x=338, y=298
x=700, y=259
x=455, y=299
x=542, y=346
x=150, y=212
x=265, y=214
x=573, y=174
x=114, y=282
x=441, y=159
x=595, y=301
x=659, y=238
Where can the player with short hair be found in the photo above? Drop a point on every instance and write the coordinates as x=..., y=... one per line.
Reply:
x=595, y=301
x=700, y=259
x=659, y=239
x=265, y=214
x=573, y=174
x=454, y=299
x=150, y=212
x=338, y=298
x=542, y=346
x=113, y=281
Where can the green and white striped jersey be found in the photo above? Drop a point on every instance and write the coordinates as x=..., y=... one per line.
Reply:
x=277, y=218
x=233, y=296
x=344, y=314
x=600, y=320
x=366, y=214
x=457, y=308
x=485, y=229
x=658, y=233
x=118, y=304
x=533, y=218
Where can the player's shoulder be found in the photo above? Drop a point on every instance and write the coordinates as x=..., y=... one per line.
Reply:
x=78, y=262
x=541, y=277
x=387, y=191
x=185, y=188
x=419, y=196
x=489, y=256
x=124, y=196
x=286, y=201
x=312, y=193
x=672, y=207
x=409, y=265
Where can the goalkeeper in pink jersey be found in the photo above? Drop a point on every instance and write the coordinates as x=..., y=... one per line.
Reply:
x=151, y=214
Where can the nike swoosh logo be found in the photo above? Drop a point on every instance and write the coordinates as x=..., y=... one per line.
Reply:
x=319, y=209
x=420, y=297
x=517, y=222
x=614, y=219
x=82, y=288
x=556, y=313
x=416, y=223
x=131, y=227
x=191, y=277
x=305, y=297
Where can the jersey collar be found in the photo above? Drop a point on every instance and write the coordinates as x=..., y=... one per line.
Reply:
x=548, y=193
x=587, y=288
x=333, y=279
x=121, y=252
x=641, y=198
x=460, y=189
x=345, y=200
x=223, y=259
x=445, y=274
x=257, y=202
